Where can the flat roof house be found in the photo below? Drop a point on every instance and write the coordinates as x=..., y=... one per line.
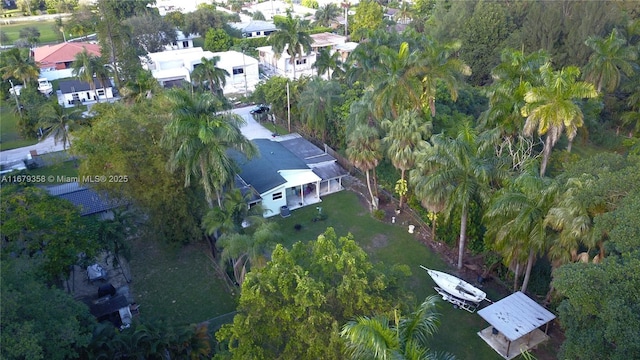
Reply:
x=74, y=92
x=171, y=68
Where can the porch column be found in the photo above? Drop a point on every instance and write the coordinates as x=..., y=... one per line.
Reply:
x=329, y=186
x=318, y=190
x=302, y=194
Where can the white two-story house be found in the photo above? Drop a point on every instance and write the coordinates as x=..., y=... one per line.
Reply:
x=171, y=68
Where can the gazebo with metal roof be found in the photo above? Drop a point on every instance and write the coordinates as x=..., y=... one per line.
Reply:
x=515, y=322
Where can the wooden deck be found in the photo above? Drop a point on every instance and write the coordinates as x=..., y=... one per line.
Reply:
x=500, y=344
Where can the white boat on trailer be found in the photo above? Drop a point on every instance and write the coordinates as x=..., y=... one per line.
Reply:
x=457, y=291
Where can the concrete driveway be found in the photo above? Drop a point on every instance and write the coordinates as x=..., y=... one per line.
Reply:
x=47, y=145
x=252, y=129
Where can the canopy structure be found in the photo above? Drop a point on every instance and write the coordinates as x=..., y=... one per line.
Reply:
x=514, y=319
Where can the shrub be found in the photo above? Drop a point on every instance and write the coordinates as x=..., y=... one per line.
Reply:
x=379, y=214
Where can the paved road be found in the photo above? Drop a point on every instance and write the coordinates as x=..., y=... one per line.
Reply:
x=45, y=146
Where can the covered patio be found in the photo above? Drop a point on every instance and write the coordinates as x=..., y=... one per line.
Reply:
x=515, y=322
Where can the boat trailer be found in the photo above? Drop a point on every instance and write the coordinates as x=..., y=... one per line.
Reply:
x=470, y=306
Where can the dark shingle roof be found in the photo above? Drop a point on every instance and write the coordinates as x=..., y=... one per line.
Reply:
x=88, y=200
x=71, y=86
x=262, y=171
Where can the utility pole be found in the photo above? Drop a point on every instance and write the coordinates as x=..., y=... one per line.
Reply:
x=288, y=109
x=244, y=71
x=15, y=95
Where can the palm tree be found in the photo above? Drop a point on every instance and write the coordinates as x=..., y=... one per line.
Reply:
x=551, y=108
x=364, y=152
x=19, y=67
x=199, y=137
x=397, y=82
x=327, y=63
x=59, y=122
x=142, y=87
x=84, y=67
x=506, y=93
x=516, y=220
x=244, y=250
x=326, y=14
x=316, y=105
x=611, y=56
x=456, y=172
x=404, y=14
x=404, y=138
x=377, y=339
x=207, y=72
x=438, y=65
x=291, y=37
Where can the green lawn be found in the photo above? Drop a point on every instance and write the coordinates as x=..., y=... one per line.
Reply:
x=47, y=35
x=9, y=137
x=178, y=284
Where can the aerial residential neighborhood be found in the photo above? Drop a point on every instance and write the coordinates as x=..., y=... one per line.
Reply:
x=319, y=179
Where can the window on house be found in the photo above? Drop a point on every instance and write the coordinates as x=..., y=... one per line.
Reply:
x=100, y=92
x=238, y=71
x=175, y=43
x=277, y=196
x=301, y=62
x=257, y=33
x=185, y=44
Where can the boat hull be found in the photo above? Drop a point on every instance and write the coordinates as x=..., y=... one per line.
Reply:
x=456, y=287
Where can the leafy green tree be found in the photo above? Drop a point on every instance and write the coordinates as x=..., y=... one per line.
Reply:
x=258, y=16
x=327, y=14
x=4, y=38
x=150, y=33
x=31, y=34
x=312, y=4
x=611, y=57
x=203, y=19
x=376, y=337
x=217, y=40
x=39, y=321
x=17, y=66
x=404, y=138
x=37, y=225
x=125, y=140
x=199, y=136
x=116, y=38
x=292, y=37
x=59, y=122
x=208, y=74
x=456, y=172
x=293, y=306
x=482, y=37
x=175, y=18
x=316, y=106
x=274, y=92
x=368, y=17
x=550, y=108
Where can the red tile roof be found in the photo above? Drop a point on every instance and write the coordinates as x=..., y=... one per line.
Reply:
x=50, y=55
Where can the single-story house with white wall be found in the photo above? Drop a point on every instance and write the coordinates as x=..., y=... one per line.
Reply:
x=291, y=172
x=173, y=67
x=75, y=91
x=255, y=28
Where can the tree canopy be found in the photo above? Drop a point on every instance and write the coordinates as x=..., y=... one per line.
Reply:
x=295, y=305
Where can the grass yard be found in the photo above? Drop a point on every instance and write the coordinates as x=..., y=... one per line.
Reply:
x=178, y=284
x=47, y=34
x=393, y=244
x=9, y=136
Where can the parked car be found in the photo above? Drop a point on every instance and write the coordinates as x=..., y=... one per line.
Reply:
x=260, y=109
